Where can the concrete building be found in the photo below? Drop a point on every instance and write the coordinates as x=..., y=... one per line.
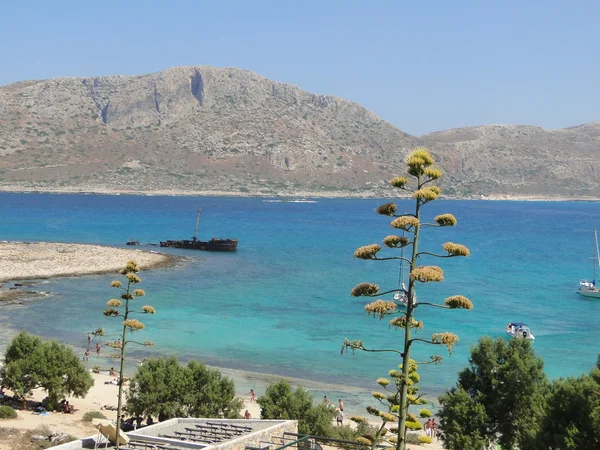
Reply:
x=207, y=434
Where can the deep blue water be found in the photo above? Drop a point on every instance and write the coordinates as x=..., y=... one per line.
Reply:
x=281, y=304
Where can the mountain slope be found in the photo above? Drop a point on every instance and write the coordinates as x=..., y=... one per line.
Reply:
x=521, y=160
x=206, y=129
x=191, y=128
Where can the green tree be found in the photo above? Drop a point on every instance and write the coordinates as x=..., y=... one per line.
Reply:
x=421, y=169
x=128, y=294
x=281, y=401
x=32, y=363
x=463, y=421
x=210, y=394
x=162, y=387
x=508, y=380
x=572, y=418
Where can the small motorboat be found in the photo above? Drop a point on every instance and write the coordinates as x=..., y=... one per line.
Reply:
x=519, y=330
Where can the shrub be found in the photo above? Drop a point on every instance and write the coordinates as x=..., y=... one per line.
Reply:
x=424, y=439
x=6, y=412
x=88, y=416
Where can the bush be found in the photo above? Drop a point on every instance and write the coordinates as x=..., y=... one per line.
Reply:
x=88, y=416
x=6, y=412
x=424, y=439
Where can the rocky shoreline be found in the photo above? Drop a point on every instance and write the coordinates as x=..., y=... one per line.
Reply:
x=41, y=260
x=292, y=195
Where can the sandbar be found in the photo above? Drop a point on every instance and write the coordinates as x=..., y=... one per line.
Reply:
x=38, y=260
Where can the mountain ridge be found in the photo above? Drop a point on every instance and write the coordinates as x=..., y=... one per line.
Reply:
x=200, y=129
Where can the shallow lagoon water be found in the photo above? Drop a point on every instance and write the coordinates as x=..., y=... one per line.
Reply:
x=281, y=304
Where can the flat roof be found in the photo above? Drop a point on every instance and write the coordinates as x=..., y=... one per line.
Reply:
x=195, y=433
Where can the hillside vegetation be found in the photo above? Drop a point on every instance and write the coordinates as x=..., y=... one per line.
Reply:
x=206, y=130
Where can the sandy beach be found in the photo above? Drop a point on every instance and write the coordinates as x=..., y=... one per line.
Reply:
x=99, y=396
x=37, y=260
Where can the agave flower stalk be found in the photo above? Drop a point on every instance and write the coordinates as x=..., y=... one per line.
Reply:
x=124, y=308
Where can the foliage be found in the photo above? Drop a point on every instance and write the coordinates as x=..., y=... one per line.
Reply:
x=128, y=294
x=463, y=421
x=280, y=401
x=88, y=416
x=508, y=381
x=427, y=440
x=420, y=167
x=6, y=412
x=31, y=363
x=572, y=418
x=162, y=387
x=211, y=394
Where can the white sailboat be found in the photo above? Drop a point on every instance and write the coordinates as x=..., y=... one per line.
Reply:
x=588, y=288
x=402, y=295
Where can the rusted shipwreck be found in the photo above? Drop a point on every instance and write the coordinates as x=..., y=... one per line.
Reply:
x=214, y=245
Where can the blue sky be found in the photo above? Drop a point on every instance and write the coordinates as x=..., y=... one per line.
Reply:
x=422, y=65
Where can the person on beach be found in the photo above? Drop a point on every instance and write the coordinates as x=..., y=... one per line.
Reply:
x=86, y=355
x=339, y=417
x=98, y=348
x=433, y=427
x=252, y=396
x=89, y=339
x=428, y=428
x=112, y=372
x=325, y=400
x=247, y=415
x=341, y=405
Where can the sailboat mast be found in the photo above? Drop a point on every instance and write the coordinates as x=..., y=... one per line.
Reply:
x=597, y=262
x=197, y=223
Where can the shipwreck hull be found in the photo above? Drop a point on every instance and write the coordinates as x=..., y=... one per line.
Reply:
x=214, y=245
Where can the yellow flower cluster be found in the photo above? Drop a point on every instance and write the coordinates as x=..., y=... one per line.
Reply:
x=387, y=417
x=383, y=382
x=109, y=312
x=133, y=324
x=139, y=292
x=448, y=339
x=114, y=303
x=445, y=220
x=378, y=395
x=399, y=182
x=400, y=322
x=426, y=274
x=405, y=223
x=418, y=160
x=364, y=289
x=148, y=309
x=367, y=251
x=130, y=267
x=363, y=440
x=433, y=173
x=380, y=308
x=458, y=302
x=115, y=284
x=393, y=241
x=456, y=249
x=133, y=278
x=427, y=194
x=387, y=209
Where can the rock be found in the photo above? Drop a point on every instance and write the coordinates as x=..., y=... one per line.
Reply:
x=37, y=437
x=206, y=129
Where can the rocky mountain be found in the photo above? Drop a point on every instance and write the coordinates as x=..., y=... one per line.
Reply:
x=520, y=160
x=207, y=130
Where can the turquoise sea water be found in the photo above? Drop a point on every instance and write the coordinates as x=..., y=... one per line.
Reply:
x=281, y=304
